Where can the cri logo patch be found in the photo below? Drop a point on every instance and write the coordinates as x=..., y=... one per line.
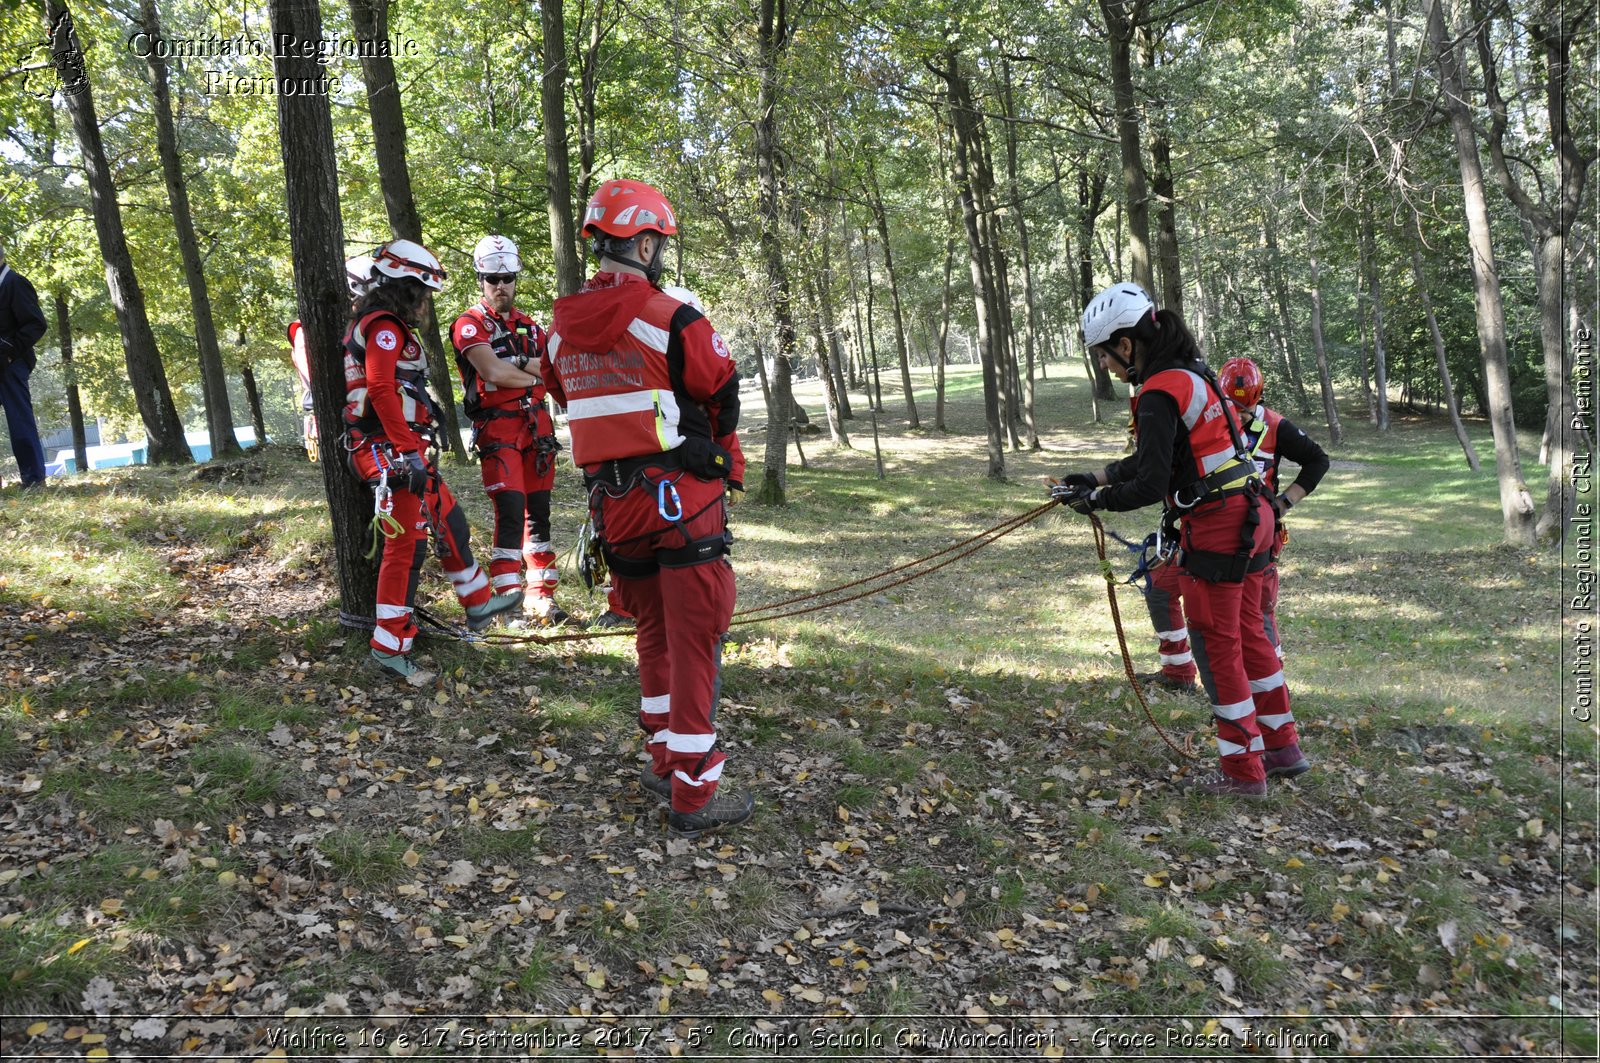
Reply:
x=388, y=340
x=469, y=330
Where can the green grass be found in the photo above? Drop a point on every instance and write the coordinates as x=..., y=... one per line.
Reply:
x=362, y=859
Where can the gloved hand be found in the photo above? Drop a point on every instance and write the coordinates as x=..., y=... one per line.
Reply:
x=1084, y=500
x=416, y=473
x=1070, y=484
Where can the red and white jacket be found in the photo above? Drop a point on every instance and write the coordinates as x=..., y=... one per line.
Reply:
x=1211, y=443
x=386, y=381
x=639, y=372
x=507, y=337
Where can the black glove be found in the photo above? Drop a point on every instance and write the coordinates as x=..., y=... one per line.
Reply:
x=416, y=474
x=1072, y=483
x=1084, y=500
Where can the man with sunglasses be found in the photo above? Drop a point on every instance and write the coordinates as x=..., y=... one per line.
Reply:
x=497, y=352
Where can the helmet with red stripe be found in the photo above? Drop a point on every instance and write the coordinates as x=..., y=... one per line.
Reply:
x=1242, y=382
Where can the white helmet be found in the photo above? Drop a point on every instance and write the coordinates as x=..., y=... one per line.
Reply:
x=399, y=259
x=496, y=254
x=358, y=274
x=684, y=295
x=1118, y=307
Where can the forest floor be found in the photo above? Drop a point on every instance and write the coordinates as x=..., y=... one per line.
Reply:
x=222, y=835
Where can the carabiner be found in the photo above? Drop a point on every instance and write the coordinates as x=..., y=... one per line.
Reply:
x=664, y=488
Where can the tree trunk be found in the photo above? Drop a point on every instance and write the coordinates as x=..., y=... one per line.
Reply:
x=830, y=325
x=766, y=384
x=371, y=20
x=69, y=376
x=963, y=118
x=1516, y=502
x=773, y=37
x=894, y=295
x=252, y=394
x=874, y=383
x=825, y=371
x=1122, y=18
x=1443, y=362
x=1280, y=290
x=1330, y=409
x=1165, y=190
x=859, y=338
x=213, y=379
x=1031, y=321
x=163, y=428
x=1380, y=357
x=557, y=169
x=1552, y=33
x=588, y=90
x=316, y=240
x=944, y=334
x=1091, y=197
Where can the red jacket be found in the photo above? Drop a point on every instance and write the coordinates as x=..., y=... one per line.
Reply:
x=507, y=337
x=639, y=372
x=385, y=381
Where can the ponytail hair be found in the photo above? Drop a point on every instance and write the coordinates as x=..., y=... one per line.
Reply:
x=1164, y=339
x=397, y=296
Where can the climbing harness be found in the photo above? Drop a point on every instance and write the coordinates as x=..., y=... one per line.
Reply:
x=1185, y=750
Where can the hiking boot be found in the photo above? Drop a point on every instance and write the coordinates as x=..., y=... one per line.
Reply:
x=655, y=784
x=610, y=619
x=481, y=616
x=545, y=611
x=1285, y=763
x=723, y=810
x=1167, y=682
x=398, y=665
x=1222, y=785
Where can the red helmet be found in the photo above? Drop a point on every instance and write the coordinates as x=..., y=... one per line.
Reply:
x=624, y=209
x=1242, y=382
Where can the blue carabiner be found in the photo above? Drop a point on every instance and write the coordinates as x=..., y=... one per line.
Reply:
x=664, y=488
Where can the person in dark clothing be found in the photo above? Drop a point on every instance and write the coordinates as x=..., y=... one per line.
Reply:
x=22, y=324
x=1191, y=455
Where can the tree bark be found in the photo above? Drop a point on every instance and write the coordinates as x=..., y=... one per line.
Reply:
x=944, y=333
x=894, y=294
x=1551, y=224
x=963, y=119
x=1091, y=200
x=252, y=394
x=557, y=168
x=371, y=20
x=825, y=371
x=588, y=91
x=874, y=382
x=1516, y=502
x=1443, y=363
x=1330, y=408
x=1031, y=321
x=1122, y=19
x=316, y=240
x=773, y=37
x=1280, y=290
x=1380, y=356
x=69, y=376
x=163, y=428
x=213, y=378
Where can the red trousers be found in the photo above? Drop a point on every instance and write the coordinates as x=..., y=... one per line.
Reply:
x=681, y=611
x=1238, y=664
x=401, y=567
x=1164, y=600
x=518, y=475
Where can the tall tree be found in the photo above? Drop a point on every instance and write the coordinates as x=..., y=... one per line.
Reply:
x=316, y=240
x=162, y=426
x=1319, y=347
x=80, y=436
x=772, y=34
x=894, y=293
x=1550, y=216
x=1123, y=18
x=1442, y=361
x=371, y=19
x=1516, y=503
x=214, y=380
x=557, y=168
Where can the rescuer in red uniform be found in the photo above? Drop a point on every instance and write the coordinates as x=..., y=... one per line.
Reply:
x=498, y=348
x=389, y=419
x=652, y=403
x=1191, y=454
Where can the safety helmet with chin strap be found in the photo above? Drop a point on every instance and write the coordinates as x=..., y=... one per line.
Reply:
x=407, y=259
x=684, y=295
x=496, y=254
x=1119, y=307
x=619, y=213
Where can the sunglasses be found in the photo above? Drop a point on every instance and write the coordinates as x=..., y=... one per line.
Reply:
x=498, y=278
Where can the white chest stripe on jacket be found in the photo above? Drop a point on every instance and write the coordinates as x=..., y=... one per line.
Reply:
x=647, y=334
